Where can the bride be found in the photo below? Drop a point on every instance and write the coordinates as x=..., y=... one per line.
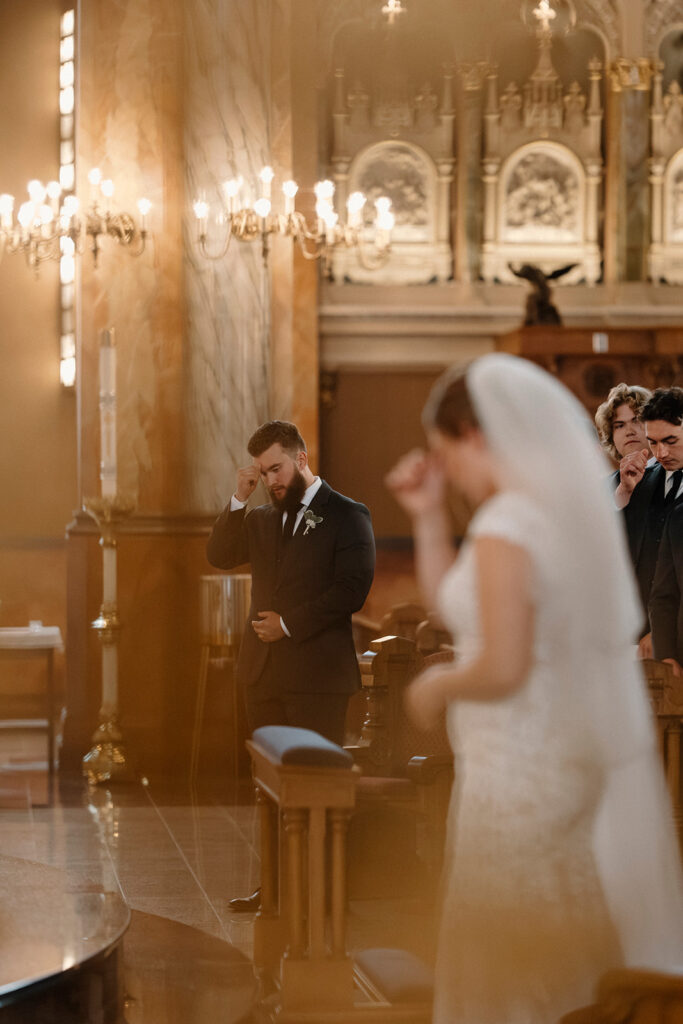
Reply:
x=561, y=859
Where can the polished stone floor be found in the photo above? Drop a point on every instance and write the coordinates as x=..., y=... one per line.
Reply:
x=177, y=856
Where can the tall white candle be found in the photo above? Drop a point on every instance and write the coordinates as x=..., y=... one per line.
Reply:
x=108, y=413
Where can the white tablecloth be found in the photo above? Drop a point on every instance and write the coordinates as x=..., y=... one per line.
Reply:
x=21, y=637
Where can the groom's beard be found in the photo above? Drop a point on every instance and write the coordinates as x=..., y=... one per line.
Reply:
x=291, y=499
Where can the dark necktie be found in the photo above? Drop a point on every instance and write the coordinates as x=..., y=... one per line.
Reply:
x=288, y=528
x=673, y=489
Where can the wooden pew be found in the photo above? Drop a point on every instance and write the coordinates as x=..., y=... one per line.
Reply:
x=402, y=620
x=632, y=996
x=306, y=789
x=407, y=774
x=666, y=696
x=431, y=637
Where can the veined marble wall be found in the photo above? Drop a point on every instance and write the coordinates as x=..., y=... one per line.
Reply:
x=226, y=135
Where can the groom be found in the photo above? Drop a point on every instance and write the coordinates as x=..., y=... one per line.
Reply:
x=312, y=555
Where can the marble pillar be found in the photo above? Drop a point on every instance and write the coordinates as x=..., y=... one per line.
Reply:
x=226, y=135
x=176, y=97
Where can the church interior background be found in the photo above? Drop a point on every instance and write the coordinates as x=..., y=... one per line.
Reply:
x=503, y=133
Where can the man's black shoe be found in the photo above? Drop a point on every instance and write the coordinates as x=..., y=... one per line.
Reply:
x=246, y=904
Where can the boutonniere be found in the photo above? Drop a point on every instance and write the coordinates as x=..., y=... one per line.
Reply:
x=311, y=520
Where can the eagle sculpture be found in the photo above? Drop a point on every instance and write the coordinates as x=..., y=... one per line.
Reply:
x=539, y=308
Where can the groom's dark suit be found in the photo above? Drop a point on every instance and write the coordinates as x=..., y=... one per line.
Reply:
x=314, y=581
x=666, y=606
x=644, y=519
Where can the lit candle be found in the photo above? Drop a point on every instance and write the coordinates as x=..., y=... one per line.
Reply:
x=262, y=209
x=231, y=189
x=54, y=190
x=144, y=206
x=201, y=212
x=265, y=177
x=6, y=210
x=108, y=413
x=290, y=189
x=94, y=177
x=354, y=207
x=384, y=222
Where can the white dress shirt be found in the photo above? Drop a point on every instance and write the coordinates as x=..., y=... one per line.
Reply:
x=309, y=494
x=668, y=483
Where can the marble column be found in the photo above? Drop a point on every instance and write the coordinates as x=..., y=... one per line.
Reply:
x=176, y=97
x=226, y=135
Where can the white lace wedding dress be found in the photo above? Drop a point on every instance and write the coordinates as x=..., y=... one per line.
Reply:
x=525, y=931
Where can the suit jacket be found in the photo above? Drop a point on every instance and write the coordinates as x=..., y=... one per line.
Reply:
x=315, y=581
x=666, y=609
x=642, y=531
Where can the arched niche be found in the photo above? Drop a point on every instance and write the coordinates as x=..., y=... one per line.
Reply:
x=407, y=174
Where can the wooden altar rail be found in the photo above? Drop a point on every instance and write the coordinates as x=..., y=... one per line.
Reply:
x=300, y=955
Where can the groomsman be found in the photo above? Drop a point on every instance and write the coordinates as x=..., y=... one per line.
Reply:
x=649, y=510
x=621, y=429
x=646, y=491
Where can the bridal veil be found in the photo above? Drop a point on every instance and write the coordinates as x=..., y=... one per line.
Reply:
x=547, y=446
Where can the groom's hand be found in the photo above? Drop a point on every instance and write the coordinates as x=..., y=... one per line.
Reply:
x=268, y=627
x=247, y=478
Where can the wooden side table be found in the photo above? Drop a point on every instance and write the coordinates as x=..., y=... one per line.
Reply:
x=24, y=642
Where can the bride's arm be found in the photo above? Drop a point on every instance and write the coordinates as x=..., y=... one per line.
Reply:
x=434, y=551
x=506, y=614
x=418, y=484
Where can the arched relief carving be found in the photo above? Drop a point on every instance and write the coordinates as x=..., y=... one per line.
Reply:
x=673, y=190
x=665, y=257
x=660, y=18
x=604, y=18
x=407, y=175
x=541, y=171
x=542, y=196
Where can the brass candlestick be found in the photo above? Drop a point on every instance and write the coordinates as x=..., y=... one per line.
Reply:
x=106, y=761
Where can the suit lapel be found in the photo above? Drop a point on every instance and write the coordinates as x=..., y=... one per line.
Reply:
x=647, y=489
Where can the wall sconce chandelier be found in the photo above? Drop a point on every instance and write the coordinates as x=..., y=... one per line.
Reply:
x=50, y=226
x=248, y=223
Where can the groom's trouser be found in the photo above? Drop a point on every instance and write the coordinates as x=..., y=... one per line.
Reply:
x=268, y=704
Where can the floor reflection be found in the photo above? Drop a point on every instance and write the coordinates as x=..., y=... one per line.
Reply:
x=176, y=855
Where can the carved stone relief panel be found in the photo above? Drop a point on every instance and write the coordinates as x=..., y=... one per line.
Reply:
x=409, y=177
x=542, y=196
x=673, y=186
x=404, y=174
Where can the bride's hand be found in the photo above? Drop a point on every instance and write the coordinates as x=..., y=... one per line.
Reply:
x=427, y=696
x=417, y=483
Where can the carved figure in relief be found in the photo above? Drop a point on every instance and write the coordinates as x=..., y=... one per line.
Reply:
x=542, y=195
x=398, y=172
x=677, y=201
x=574, y=109
x=539, y=306
x=673, y=107
x=511, y=108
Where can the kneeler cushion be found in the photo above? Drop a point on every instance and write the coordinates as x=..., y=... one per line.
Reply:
x=290, y=745
x=399, y=975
